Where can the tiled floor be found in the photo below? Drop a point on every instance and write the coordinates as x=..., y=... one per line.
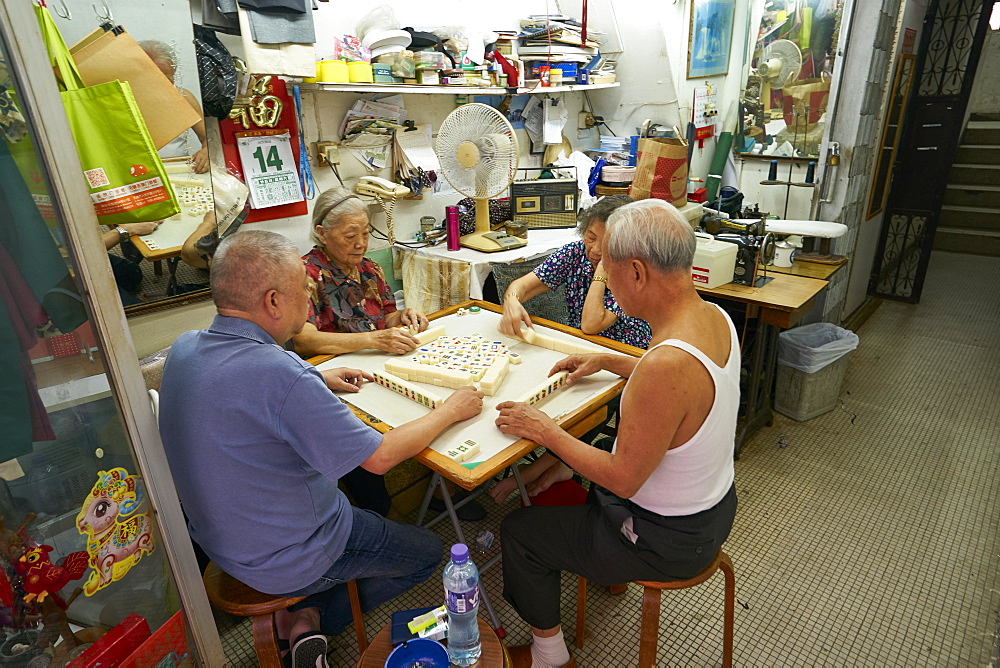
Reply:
x=869, y=539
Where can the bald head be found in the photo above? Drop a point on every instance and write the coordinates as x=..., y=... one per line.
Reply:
x=249, y=264
x=653, y=231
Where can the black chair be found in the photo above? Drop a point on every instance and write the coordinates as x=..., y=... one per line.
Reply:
x=550, y=305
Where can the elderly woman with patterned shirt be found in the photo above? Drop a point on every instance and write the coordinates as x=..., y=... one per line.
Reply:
x=577, y=265
x=351, y=307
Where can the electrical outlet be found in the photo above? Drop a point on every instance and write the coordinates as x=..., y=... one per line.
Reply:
x=327, y=152
x=586, y=121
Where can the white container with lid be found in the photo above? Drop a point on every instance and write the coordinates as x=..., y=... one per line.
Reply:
x=714, y=261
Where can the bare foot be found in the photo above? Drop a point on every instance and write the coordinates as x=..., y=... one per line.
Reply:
x=558, y=472
x=503, y=489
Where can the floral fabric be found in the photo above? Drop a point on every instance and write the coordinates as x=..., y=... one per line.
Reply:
x=340, y=304
x=569, y=265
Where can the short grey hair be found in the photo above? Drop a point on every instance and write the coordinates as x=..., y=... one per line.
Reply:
x=159, y=52
x=600, y=210
x=250, y=263
x=653, y=231
x=332, y=205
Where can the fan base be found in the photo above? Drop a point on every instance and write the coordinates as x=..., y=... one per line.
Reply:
x=486, y=245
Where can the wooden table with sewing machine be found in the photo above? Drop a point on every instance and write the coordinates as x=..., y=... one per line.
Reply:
x=577, y=408
x=779, y=304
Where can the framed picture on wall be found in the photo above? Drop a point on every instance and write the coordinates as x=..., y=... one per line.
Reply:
x=710, y=38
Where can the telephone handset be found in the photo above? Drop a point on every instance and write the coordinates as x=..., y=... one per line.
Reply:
x=375, y=186
x=385, y=193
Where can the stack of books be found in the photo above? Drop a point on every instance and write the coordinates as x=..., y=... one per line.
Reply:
x=557, y=35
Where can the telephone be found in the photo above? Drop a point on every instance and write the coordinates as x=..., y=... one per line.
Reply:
x=374, y=186
x=385, y=193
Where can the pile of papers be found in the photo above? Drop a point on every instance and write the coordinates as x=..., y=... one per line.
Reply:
x=368, y=127
x=556, y=37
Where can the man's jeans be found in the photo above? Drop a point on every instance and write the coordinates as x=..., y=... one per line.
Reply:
x=385, y=557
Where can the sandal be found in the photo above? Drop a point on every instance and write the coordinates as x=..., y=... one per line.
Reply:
x=309, y=651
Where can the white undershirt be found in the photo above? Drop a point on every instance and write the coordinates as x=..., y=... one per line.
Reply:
x=696, y=475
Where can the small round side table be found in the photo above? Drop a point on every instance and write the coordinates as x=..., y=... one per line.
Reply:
x=494, y=654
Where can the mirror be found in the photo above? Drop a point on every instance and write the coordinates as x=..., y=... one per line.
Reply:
x=147, y=265
x=787, y=88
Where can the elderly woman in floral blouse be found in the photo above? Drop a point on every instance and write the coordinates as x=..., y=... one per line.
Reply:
x=351, y=307
x=577, y=265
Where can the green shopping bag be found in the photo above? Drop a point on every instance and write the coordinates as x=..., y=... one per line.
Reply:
x=127, y=179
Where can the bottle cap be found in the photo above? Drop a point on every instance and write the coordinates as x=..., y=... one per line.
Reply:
x=459, y=553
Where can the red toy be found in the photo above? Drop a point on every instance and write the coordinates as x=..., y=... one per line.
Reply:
x=42, y=578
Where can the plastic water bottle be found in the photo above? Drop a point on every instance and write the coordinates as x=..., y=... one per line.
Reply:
x=461, y=595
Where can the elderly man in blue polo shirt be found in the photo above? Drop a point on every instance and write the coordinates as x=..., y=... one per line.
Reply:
x=257, y=442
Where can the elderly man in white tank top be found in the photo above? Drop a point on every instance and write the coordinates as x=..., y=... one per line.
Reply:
x=663, y=499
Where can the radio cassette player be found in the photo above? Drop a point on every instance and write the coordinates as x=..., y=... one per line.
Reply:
x=541, y=203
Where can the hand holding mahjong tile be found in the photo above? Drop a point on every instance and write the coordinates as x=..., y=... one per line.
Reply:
x=525, y=421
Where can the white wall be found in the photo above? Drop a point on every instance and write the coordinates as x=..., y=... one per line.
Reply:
x=653, y=85
x=985, y=96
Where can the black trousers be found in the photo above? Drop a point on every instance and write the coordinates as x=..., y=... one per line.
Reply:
x=540, y=542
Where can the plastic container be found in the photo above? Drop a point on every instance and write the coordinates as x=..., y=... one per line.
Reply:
x=461, y=594
x=360, y=72
x=714, y=261
x=333, y=71
x=430, y=60
x=812, y=361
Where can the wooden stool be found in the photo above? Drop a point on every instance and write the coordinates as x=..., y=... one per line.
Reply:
x=228, y=594
x=649, y=635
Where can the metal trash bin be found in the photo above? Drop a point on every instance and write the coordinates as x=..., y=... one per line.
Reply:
x=812, y=361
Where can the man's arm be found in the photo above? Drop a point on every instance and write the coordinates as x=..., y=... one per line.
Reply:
x=409, y=439
x=665, y=397
x=113, y=237
x=580, y=366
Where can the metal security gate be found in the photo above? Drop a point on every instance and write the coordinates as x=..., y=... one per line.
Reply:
x=946, y=67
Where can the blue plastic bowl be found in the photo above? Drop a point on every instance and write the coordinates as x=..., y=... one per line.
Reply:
x=431, y=652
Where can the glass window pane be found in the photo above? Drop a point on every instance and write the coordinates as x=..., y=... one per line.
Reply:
x=70, y=490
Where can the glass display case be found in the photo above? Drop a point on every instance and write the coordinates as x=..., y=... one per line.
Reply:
x=94, y=557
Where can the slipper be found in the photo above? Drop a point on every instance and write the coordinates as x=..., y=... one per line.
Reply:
x=309, y=651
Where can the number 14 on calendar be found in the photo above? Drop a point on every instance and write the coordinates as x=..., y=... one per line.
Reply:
x=269, y=168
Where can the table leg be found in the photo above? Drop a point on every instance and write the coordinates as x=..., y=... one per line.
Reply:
x=760, y=376
x=172, y=280
x=520, y=484
x=427, y=498
x=483, y=595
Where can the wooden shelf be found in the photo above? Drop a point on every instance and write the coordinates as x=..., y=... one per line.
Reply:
x=451, y=90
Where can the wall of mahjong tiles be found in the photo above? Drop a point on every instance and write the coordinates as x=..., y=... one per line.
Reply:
x=530, y=376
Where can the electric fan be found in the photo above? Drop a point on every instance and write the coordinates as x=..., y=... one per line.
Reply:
x=477, y=150
x=779, y=65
